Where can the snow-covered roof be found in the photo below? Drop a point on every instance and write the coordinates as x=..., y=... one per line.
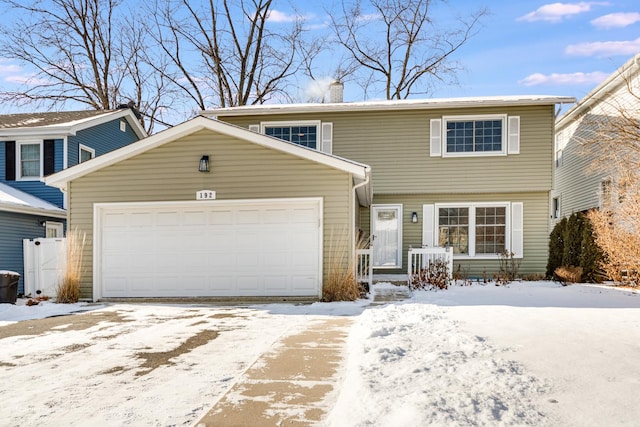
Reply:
x=387, y=105
x=63, y=122
x=13, y=200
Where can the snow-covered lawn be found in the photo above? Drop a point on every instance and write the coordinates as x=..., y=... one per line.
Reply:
x=532, y=353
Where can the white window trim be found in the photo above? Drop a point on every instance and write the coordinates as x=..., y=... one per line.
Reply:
x=472, y=224
x=53, y=225
x=472, y=117
x=19, y=176
x=85, y=148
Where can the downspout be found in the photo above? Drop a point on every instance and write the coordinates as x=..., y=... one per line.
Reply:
x=367, y=178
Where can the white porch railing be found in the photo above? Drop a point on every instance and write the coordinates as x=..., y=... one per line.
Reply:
x=422, y=257
x=364, y=267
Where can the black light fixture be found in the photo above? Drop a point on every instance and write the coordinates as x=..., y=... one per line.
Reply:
x=414, y=217
x=204, y=164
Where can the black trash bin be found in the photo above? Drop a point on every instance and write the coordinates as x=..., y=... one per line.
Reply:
x=9, y=286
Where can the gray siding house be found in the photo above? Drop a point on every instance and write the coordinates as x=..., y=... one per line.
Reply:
x=36, y=145
x=579, y=182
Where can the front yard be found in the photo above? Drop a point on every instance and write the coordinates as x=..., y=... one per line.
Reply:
x=532, y=353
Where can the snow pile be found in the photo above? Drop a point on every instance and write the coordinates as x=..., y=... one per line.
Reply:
x=412, y=365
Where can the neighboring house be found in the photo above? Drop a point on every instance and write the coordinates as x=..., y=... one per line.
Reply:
x=580, y=181
x=35, y=145
x=290, y=187
x=472, y=173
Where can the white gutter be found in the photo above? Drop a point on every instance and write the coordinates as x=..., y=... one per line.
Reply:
x=367, y=179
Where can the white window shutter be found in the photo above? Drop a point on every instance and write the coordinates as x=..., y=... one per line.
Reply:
x=436, y=137
x=428, y=225
x=327, y=138
x=254, y=128
x=514, y=135
x=517, y=229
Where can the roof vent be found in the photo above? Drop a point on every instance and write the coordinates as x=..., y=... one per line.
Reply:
x=336, y=91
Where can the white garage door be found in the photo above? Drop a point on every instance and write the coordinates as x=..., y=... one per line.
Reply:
x=212, y=248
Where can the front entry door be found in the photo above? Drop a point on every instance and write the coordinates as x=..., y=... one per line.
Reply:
x=386, y=230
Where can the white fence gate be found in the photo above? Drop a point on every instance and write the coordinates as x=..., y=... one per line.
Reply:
x=44, y=265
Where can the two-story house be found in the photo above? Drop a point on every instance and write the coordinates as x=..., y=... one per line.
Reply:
x=265, y=200
x=471, y=173
x=581, y=180
x=35, y=145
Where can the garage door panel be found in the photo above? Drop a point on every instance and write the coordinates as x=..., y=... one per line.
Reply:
x=248, y=249
x=221, y=217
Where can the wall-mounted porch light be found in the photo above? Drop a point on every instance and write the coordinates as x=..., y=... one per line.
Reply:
x=414, y=217
x=204, y=164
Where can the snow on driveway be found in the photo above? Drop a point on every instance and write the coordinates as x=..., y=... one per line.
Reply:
x=532, y=353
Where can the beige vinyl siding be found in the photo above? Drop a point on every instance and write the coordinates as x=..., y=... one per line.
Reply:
x=396, y=146
x=239, y=170
x=536, y=235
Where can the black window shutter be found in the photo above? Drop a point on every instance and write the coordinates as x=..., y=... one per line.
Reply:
x=10, y=160
x=49, y=157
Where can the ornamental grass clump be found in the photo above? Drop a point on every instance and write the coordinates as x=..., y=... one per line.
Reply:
x=68, y=289
x=341, y=283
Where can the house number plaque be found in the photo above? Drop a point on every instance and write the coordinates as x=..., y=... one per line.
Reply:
x=205, y=195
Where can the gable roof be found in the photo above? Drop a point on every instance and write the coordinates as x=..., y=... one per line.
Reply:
x=64, y=122
x=13, y=200
x=389, y=105
x=359, y=171
x=617, y=79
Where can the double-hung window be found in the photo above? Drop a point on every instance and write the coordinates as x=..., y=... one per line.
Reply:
x=306, y=136
x=474, y=230
x=476, y=135
x=29, y=160
x=307, y=133
x=302, y=133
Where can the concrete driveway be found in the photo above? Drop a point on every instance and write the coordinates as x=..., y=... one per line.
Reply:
x=146, y=364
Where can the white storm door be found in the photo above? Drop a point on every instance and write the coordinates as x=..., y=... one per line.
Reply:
x=386, y=231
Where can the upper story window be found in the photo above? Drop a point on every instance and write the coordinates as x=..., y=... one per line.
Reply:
x=29, y=163
x=306, y=135
x=86, y=153
x=471, y=136
x=475, y=135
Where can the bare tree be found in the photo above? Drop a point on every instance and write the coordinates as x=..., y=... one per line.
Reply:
x=398, y=45
x=614, y=144
x=78, y=52
x=227, y=52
